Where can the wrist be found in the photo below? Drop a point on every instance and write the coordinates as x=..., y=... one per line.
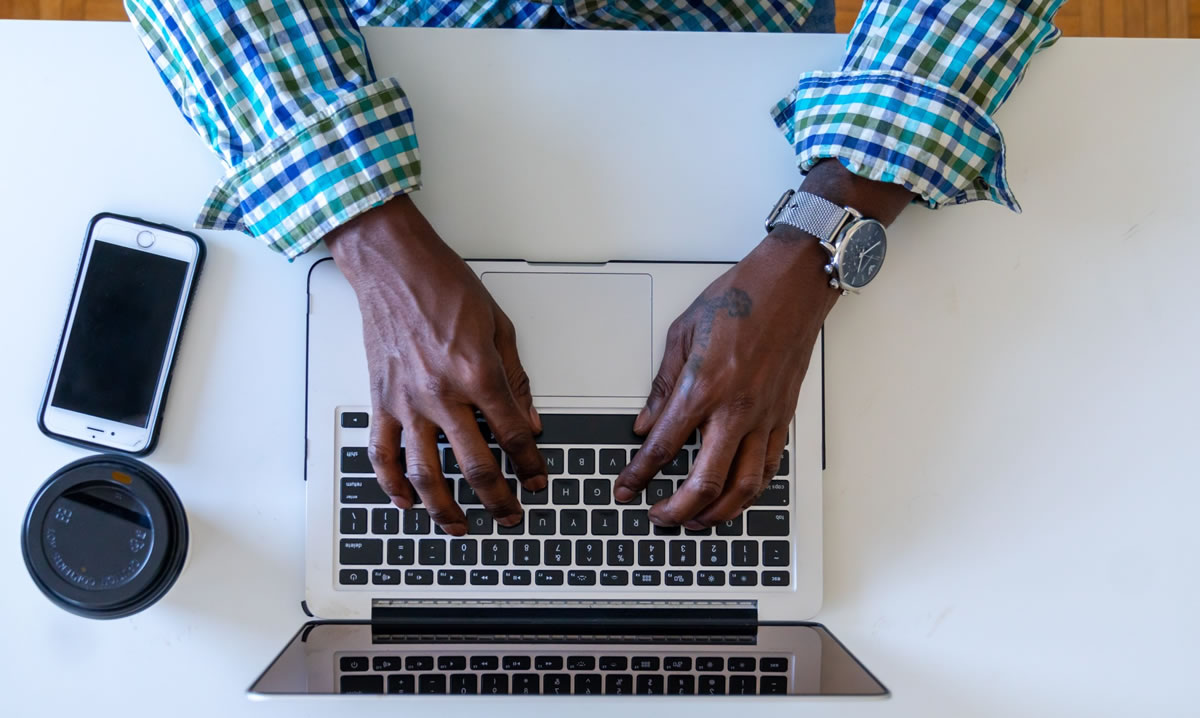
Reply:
x=393, y=234
x=882, y=201
x=801, y=258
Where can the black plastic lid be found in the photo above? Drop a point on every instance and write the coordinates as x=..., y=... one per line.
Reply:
x=105, y=537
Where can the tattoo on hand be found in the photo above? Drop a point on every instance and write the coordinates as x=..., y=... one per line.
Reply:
x=734, y=302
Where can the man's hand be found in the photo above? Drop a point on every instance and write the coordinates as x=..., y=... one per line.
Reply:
x=438, y=348
x=735, y=360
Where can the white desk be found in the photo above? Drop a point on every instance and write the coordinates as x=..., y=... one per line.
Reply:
x=1012, y=488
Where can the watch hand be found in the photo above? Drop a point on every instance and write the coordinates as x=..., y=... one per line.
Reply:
x=873, y=246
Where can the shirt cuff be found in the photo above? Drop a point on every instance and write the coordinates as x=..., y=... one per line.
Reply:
x=894, y=127
x=354, y=154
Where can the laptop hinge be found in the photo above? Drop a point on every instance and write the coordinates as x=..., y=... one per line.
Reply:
x=567, y=617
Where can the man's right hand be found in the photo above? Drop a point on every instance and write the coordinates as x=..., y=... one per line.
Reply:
x=438, y=348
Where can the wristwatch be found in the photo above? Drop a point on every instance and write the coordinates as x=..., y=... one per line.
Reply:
x=856, y=245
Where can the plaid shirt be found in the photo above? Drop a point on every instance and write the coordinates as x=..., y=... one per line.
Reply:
x=284, y=92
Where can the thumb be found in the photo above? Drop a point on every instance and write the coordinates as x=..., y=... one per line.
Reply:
x=518, y=380
x=674, y=358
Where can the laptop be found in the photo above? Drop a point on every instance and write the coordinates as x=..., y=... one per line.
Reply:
x=585, y=597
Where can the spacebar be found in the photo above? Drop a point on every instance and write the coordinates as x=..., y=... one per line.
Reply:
x=588, y=429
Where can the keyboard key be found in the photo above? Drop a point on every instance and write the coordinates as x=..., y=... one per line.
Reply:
x=732, y=527
x=495, y=552
x=463, y=684
x=745, y=553
x=776, y=553
x=776, y=494
x=464, y=552
x=614, y=577
x=540, y=521
x=783, y=464
x=431, y=683
x=418, y=663
x=679, y=578
x=479, y=522
x=354, y=663
x=363, y=491
x=484, y=577
x=484, y=663
x=354, y=419
x=467, y=495
x=556, y=684
x=493, y=684
x=658, y=490
x=677, y=663
x=612, y=461
x=525, y=684
x=710, y=578
x=362, y=684
x=581, y=461
x=587, y=684
x=644, y=663
x=451, y=577
x=650, y=685
x=683, y=553
x=516, y=577
x=604, y=522
x=416, y=522
x=548, y=577
x=353, y=521
x=450, y=463
x=711, y=685
x=698, y=532
x=743, y=578
x=548, y=663
x=646, y=578
x=573, y=522
x=431, y=552
x=589, y=552
x=565, y=492
x=418, y=576
x=776, y=578
x=360, y=552
x=677, y=466
x=618, y=684
x=635, y=522
x=773, y=685
x=535, y=498
x=355, y=460
x=387, y=663
x=620, y=552
x=714, y=553
x=527, y=552
x=773, y=664
x=581, y=663
x=452, y=663
x=597, y=492
x=601, y=429
x=517, y=663
x=352, y=576
x=666, y=530
x=710, y=663
x=385, y=576
x=581, y=577
x=742, y=686
x=652, y=553
x=400, y=552
x=552, y=457
x=614, y=663
x=681, y=685
x=405, y=684
x=767, y=523
x=385, y=521
x=558, y=552
x=741, y=664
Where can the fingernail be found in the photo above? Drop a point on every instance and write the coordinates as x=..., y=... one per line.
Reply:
x=693, y=526
x=457, y=529
x=509, y=521
x=623, y=493
x=536, y=420
x=537, y=483
x=641, y=417
x=658, y=521
x=402, y=502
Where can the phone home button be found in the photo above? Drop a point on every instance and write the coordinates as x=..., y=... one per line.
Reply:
x=145, y=239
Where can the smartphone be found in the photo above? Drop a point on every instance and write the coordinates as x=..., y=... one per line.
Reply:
x=132, y=291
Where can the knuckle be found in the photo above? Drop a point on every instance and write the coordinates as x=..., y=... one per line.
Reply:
x=708, y=487
x=381, y=454
x=477, y=471
x=747, y=488
x=420, y=474
x=656, y=454
x=742, y=404
x=519, y=381
x=443, y=514
x=437, y=387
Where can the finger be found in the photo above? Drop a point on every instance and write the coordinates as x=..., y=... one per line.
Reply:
x=513, y=432
x=388, y=458
x=745, y=484
x=673, y=428
x=425, y=474
x=518, y=380
x=664, y=382
x=775, y=446
x=706, y=481
x=479, y=467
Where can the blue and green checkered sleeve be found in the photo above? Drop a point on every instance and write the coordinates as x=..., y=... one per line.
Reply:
x=914, y=100
x=284, y=92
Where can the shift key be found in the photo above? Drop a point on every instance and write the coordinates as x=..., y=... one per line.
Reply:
x=767, y=523
x=363, y=491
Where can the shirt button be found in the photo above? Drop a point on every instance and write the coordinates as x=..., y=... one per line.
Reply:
x=981, y=184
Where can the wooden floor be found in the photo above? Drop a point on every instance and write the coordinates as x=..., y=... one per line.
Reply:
x=1085, y=18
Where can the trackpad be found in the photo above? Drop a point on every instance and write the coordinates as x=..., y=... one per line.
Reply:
x=580, y=334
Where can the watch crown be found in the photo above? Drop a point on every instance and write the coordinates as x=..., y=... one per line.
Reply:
x=834, y=283
x=829, y=269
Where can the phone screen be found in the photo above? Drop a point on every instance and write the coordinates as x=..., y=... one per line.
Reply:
x=118, y=340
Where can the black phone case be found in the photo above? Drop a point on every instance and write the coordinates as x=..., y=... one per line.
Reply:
x=62, y=339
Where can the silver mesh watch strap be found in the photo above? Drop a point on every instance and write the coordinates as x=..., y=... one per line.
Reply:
x=815, y=215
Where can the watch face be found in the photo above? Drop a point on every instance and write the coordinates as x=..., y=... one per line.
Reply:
x=862, y=253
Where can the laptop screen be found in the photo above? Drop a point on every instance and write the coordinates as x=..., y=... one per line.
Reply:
x=364, y=658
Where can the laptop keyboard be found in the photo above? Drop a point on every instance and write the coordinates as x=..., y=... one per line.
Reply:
x=574, y=533
x=530, y=674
